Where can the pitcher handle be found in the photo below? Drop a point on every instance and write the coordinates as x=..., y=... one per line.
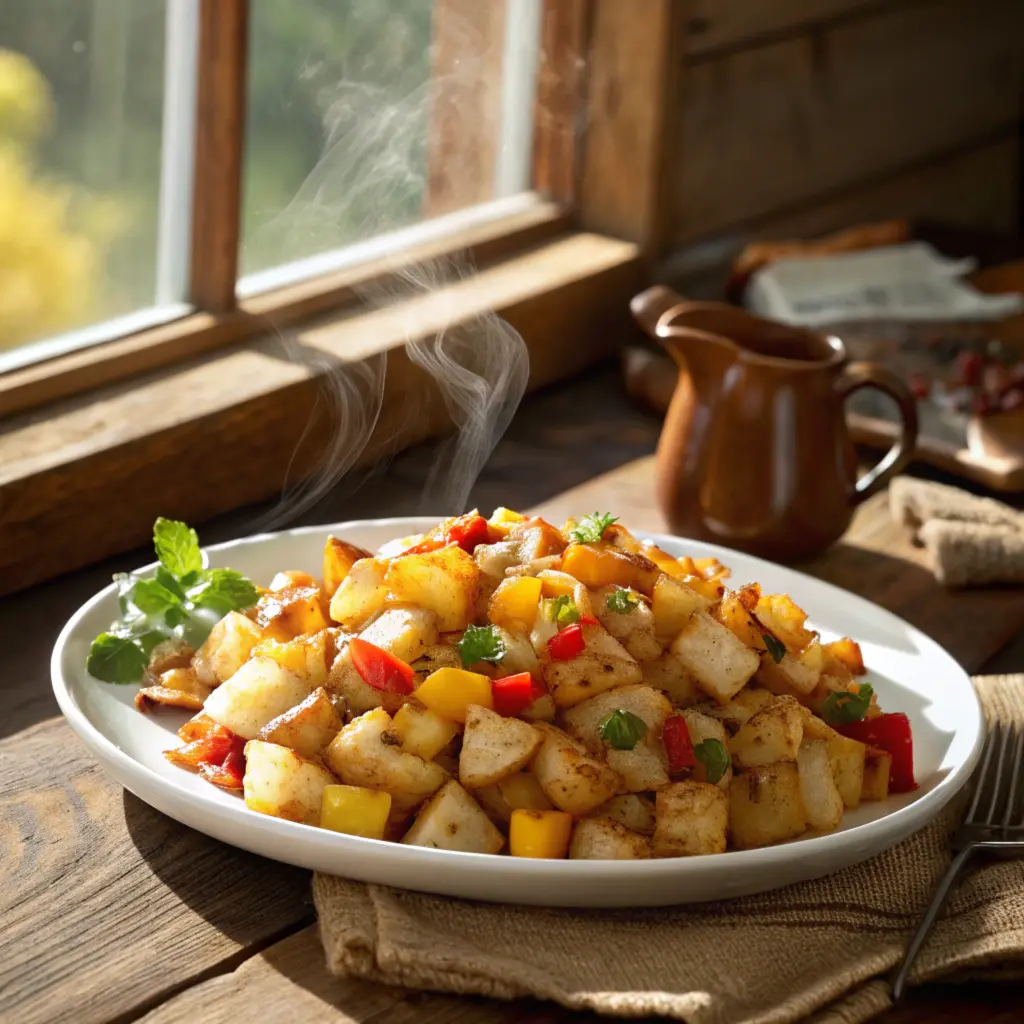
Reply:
x=870, y=375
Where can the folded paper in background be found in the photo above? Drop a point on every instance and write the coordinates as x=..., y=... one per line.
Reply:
x=819, y=947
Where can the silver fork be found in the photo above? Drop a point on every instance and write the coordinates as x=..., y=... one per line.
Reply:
x=996, y=828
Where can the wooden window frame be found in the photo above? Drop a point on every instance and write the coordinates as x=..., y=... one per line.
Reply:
x=603, y=88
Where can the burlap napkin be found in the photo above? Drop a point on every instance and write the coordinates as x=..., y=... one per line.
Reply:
x=971, y=541
x=820, y=947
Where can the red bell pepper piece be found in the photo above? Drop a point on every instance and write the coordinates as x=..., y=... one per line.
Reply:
x=676, y=736
x=890, y=733
x=215, y=752
x=515, y=694
x=230, y=773
x=468, y=532
x=379, y=668
x=567, y=643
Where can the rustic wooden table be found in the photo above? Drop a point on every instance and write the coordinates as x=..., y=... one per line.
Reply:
x=112, y=912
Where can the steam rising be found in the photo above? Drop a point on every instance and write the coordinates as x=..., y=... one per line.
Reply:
x=370, y=181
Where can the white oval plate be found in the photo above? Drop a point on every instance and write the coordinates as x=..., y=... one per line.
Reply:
x=910, y=672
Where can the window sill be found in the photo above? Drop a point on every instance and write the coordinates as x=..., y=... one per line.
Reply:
x=84, y=477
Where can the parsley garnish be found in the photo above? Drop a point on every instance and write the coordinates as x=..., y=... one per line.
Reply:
x=590, y=529
x=622, y=729
x=180, y=600
x=562, y=611
x=840, y=708
x=715, y=758
x=621, y=601
x=775, y=647
x=481, y=643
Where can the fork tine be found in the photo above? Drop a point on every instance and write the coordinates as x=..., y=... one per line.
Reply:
x=1014, y=776
x=981, y=773
x=998, y=775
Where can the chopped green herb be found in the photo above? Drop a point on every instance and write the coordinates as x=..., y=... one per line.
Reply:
x=177, y=546
x=622, y=729
x=840, y=708
x=621, y=601
x=562, y=611
x=590, y=529
x=481, y=643
x=223, y=590
x=775, y=647
x=117, y=658
x=715, y=758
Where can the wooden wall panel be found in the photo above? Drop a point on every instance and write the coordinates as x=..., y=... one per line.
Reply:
x=770, y=128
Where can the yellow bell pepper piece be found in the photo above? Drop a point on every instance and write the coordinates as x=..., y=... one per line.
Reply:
x=513, y=605
x=449, y=691
x=355, y=811
x=539, y=833
x=553, y=586
x=596, y=566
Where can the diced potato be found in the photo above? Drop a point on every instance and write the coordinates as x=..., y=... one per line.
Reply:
x=289, y=578
x=406, y=633
x=177, y=688
x=597, y=565
x=450, y=691
x=168, y=654
x=822, y=801
x=339, y=557
x=634, y=628
x=603, y=665
x=494, y=747
x=634, y=811
x=795, y=675
x=662, y=559
x=519, y=657
x=672, y=605
x=848, y=653
x=735, y=616
x=847, y=757
x=306, y=656
x=291, y=612
x=717, y=660
x=772, y=734
x=494, y=805
x=604, y=839
x=703, y=727
x=690, y=819
x=740, y=709
x=669, y=674
x=571, y=780
x=785, y=619
x=226, y=649
x=440, y=655
x=355, y=811
x=766, y=806
x=504, y=519
x=257, y=693
x=543, y=709
x=539, y=834
x=422, y=731
x=280, y=783
x=536, y=538
x=345, y=682
x=444, y=581
x=452, y=820
x=494, y=560
x=644, y=767
x=367, y=752
x=513, y=606
x=361, y=594
x=877, y=765
x=522, y=791
x=307, y=728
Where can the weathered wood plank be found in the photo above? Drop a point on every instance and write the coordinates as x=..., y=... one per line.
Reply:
x=107, y=904
x=764, y=129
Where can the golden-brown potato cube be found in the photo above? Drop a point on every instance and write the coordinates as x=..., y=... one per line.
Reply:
x=294, y=611
x=288, y=578
x=822, y=801
x=634, y=628
x=494, y=747
x=672, y=605
x=345, y=682
x=514, y=602
x=603, y=665
x=225, y=650
x=282, y=784
x=795, y=675
x=644, y=767
x=701, y=728
x=877, y=765
x=571, y=780
x=735, y=616
x=716, y=659
x=445, y=581
x=633, y=810
x=543, y=709
x=367, y=752
x=306, y=656
x=847, y=760
x=604, y=839
x=423, y=732
x=848, y=653
x=452, y=820
x=690, y=819
x=670, y=675
x=361, y=594
x=306, y=728
x=784, y=619
x=177, y=687
x=740, y=709
x=536, y=538
x=406, y=633
x=519, y=657
x=522, y=792
x=772, y=734
x=257, y=693
x=766, y=806
x=439, y=655
x=168, y=654
x=339, y=557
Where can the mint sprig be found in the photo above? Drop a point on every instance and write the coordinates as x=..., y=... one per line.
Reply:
x=590, y=529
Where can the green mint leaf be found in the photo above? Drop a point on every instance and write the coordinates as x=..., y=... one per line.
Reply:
x=223, y=590
x=562, y=611
x=153, y=599
x=715, y=758
x=621, y=601
x=622, y=729
x=590, y=529
x=775, y=647
x=841, y=708
x=117, y=658
x=171, y=582
x=177, y=546
x=481, y=643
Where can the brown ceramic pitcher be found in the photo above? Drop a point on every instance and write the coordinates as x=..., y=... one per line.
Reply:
x=754, y=453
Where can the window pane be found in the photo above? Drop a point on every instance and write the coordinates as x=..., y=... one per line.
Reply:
x=368, y=116
x=81, y=108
